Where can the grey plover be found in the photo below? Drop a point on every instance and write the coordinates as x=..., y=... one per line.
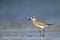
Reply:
x=39, y=23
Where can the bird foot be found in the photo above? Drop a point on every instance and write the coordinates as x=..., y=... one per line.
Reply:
x=42, y=35
x=39, y=31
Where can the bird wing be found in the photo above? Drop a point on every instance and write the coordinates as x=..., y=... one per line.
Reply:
x=40, y=22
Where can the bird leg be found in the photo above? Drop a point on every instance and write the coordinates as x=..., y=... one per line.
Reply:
x=40, y=32
x=43, y=33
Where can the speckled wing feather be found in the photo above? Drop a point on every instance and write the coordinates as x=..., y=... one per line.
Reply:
x=40, y=22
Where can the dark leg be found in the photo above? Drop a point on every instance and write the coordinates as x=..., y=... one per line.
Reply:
x=40, y=32
x=43, y=33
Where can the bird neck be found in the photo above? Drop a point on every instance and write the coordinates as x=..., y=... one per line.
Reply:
x=33, y=20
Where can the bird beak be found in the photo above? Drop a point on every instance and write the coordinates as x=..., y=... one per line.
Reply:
x=29, y=19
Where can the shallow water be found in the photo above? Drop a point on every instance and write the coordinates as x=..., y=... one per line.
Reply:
x=27, y=34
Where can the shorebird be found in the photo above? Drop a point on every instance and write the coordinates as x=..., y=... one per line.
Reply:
x=39, y=23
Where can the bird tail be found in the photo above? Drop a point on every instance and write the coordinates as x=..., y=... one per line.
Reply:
x=50, y=24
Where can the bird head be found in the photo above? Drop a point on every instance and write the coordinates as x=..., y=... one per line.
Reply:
x=32, y=18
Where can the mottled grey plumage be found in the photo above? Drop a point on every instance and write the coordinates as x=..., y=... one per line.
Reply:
x=39, y=23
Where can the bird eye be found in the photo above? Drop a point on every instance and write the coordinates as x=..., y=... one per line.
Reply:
x=32, y=17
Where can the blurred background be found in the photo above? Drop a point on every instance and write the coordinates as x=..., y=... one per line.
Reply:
x=18, y=11
x=14, y=14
